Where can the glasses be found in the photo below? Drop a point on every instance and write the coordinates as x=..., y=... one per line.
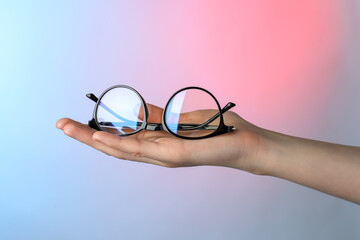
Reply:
x=190, y=113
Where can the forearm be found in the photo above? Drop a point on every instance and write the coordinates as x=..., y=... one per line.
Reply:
x=327, y=167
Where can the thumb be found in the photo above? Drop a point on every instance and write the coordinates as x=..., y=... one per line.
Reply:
x=155, y=113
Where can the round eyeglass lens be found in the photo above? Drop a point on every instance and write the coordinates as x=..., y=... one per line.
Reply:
x=191, y=113
x=120, y=111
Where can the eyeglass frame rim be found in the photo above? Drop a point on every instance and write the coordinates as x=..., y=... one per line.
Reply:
x=222, y=128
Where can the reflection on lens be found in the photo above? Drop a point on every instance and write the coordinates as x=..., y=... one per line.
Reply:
x=190, y=113
x=120, y=111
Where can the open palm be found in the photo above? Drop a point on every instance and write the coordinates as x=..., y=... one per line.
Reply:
x=234, y=149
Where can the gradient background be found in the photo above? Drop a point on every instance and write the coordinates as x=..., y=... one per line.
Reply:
x=291, y=66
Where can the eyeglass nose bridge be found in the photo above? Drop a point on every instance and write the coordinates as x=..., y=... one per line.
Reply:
x=153, y=127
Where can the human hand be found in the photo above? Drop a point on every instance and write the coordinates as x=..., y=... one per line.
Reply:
x=327, y=167
x=238, y=149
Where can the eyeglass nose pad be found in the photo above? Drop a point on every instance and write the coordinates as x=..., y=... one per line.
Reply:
x=153, y=127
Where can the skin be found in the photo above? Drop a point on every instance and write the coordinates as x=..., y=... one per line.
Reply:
x=330, y=168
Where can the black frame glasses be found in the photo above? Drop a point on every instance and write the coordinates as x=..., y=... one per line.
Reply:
x=221, y=128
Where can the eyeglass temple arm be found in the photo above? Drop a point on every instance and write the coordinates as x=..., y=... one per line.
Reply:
x=92, y=97
x=227, y=107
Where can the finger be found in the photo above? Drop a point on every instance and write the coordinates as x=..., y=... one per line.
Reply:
x=155, y=113
x=166, y=150
x=150, y=135
x=131, y=157
x=83, y=133
x=62, y=122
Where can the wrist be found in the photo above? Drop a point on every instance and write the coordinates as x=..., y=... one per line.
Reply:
x=262, y=156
